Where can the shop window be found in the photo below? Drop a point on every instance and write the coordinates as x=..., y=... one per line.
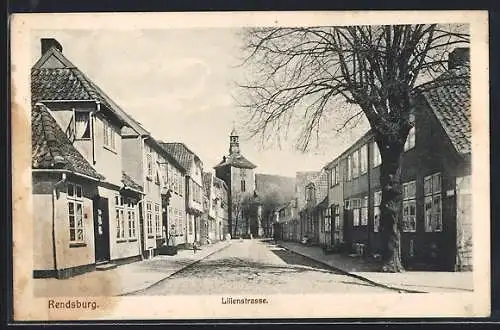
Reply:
x=409, y=207
x=243, y=187
x=433, y=203
x=377, y=200
x=75, y=213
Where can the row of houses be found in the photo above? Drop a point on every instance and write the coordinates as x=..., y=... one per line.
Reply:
x=105, y=191
x=338, y=206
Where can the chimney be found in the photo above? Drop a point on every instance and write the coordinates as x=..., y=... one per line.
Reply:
x=458, y=57
x=48, y=43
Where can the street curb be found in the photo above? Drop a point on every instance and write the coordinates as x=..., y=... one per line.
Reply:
x=175, y=272
x=359, y=277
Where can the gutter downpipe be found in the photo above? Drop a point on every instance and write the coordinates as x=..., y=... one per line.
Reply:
x=98, y=109
x=55, y=196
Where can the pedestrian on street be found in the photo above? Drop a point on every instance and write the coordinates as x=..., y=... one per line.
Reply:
x=195, y=247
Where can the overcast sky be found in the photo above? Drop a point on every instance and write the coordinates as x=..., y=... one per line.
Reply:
x=178, y=84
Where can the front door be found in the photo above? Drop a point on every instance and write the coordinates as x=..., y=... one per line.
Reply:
x=101, y=229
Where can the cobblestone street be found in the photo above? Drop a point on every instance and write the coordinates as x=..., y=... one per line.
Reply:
x=257, y=267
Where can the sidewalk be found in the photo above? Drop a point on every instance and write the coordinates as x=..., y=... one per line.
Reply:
x=407, y=281
x=126, y=278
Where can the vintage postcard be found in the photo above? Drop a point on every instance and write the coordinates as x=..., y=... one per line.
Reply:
x=250, y=165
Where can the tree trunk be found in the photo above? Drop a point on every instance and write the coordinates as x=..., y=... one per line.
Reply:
x=390, y=208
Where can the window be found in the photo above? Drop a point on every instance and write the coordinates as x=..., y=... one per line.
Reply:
x=432, y=206
x=326, y=220
x=181, y=184
x=119, y=217
x=157, y=220
x=349, y=168
x=132, y=233
x=410, y=139
x=409, y=207
x=82, y=125
x=109, y=135
x=356, y=208
x=363, y=160
x=355, y=164
x=377, y=157
x=243, y=185
x=149, y=219
x=75, y=213
x=364, y=212
x=149, y=162
x=334, y=175
x=377, y=200
x=336, y=217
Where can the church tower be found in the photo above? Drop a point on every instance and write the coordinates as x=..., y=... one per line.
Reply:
x=239, y=175
x=234, y=143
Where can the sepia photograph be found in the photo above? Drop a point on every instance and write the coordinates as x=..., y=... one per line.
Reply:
x=250, y=165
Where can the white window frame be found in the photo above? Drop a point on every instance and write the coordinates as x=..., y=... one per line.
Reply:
x=149, y=219
x=377, y=157
x=349, y=168
x=410, y=139
x=109, y=135
x=363, y=160
x=355, y=164
x=409, y=204
x=131, y=217
x=334, y=173
x=377, y=201
x=157, y=219
x=356, y=212
x=120, y=218
x=75, y=201
x=364, y=211
x=433, y=194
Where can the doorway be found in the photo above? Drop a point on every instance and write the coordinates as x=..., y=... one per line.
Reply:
x=101, y=229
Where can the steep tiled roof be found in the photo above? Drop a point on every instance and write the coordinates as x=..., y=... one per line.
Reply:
x=236, y=160
x=130, y=183
x=51, y=148
x=449, y=98
x=180, y=152
x=70, y=83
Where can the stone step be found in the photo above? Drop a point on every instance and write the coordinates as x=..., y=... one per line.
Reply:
x=105, y=266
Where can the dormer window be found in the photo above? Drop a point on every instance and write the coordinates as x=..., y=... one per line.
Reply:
x=79, y=126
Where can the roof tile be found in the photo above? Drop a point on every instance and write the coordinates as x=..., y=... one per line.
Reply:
x=51, y=148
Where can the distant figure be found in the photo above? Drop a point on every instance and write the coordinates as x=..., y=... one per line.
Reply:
x=195, y=247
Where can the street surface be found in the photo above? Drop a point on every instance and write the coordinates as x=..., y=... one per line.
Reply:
x=258, y=267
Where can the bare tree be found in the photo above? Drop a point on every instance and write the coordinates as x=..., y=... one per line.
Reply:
x=311, y=72
x=241, y=203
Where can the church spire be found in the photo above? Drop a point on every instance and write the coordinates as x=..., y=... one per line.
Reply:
x=234, y=144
